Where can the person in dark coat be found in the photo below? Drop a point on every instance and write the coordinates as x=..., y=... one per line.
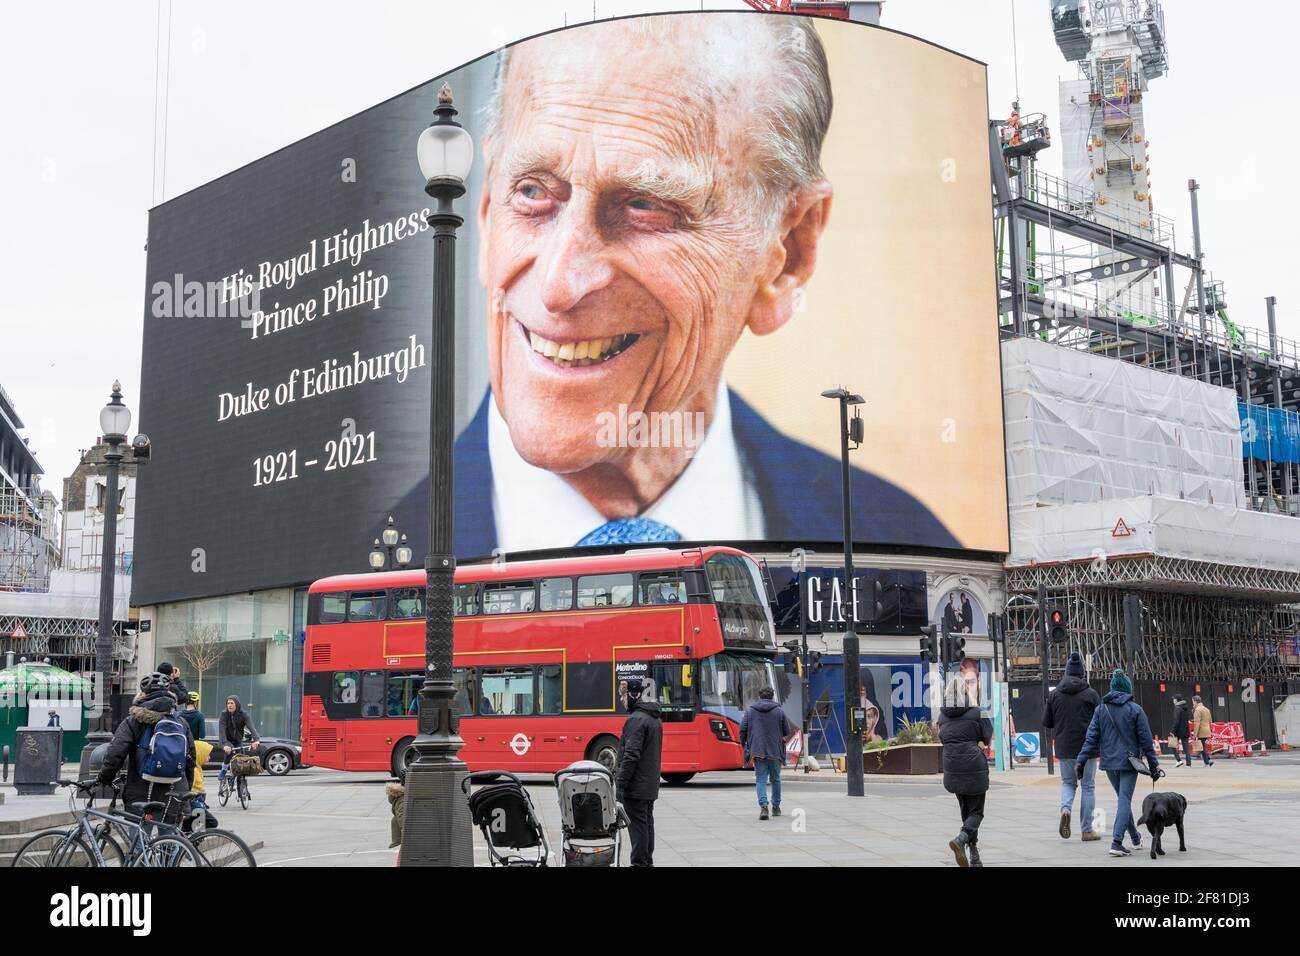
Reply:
x=763, y=732
x=1119, y=728
x=962, y=731
x=193, y=716
x=1182, y=730
x=1068, y=713
x=177, y=686
x=150, y=705
x=640, y=755
x=234, y=723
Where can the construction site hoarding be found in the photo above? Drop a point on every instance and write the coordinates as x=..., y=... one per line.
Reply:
x=679, y=230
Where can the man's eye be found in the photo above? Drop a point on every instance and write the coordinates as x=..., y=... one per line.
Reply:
x=532, y=191
x=644, y=204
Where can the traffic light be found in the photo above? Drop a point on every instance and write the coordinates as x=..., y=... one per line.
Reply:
x=929, y=646
x=791, y=657
x=954, y=648
x=1057, y=632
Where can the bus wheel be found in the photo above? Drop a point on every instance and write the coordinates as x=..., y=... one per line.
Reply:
x=676, y=779
x=604, y=750
x=403, y=756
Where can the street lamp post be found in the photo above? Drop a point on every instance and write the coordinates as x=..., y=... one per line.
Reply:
x=114, y=423
x=850, y=654
x=436, y=830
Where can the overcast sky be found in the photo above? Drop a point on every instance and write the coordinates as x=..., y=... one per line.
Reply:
x=80, y=166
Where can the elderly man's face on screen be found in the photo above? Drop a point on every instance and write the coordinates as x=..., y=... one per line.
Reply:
x=632, y=226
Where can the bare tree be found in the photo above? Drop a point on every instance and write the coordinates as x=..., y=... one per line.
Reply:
x=201, y=647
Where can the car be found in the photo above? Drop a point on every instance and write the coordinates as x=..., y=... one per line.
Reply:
x=279, y=754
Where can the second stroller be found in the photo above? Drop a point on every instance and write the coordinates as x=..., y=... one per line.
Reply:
x=591, y=820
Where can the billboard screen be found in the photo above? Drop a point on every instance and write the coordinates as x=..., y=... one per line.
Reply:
x=679, y=230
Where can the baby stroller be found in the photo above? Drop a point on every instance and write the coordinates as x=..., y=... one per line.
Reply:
x=590, y=818
x=503, y=812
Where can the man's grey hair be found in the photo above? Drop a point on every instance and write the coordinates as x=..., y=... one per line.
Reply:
x=792, y=110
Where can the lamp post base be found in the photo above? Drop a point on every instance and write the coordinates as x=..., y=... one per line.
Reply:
x=436, y=828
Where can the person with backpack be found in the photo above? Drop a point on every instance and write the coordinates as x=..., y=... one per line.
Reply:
x=234, y=723
x=764, y=730
x=1121, y=735
x=964, y=733
x=1068, y=713
x=640, y=752
x=153, y=743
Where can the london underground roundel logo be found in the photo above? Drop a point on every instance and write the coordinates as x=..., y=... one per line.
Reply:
x=520, y=743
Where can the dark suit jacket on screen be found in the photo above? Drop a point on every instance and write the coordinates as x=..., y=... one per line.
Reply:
x=798, y=487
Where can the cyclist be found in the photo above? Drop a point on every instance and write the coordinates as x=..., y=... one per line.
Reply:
x=235, y=722
x=151, y=705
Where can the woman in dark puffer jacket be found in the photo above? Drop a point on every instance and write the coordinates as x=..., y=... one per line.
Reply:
x=962, y=731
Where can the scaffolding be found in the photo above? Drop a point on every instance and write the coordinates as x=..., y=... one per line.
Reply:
x=25, y=549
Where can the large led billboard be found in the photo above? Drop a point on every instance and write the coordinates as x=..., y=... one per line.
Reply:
x=679, y=230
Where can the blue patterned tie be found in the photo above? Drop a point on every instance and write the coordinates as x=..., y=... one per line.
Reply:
x=630, y=531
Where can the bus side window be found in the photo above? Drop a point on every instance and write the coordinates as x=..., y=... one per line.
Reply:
x=405, y=604
x=463, y=702
x=366, y=606
x=333, y=608
x=516, y=598
x=507, y=691
x=465, y=599
x=346, y=684
x=660, y=588
x=605, y=590
x=403, y=692
x=372, y=693
x=557, y=594
x=550, y=689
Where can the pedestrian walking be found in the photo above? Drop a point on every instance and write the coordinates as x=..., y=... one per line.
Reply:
x=1201, y=718
x=1182, y=731
x=1068, y=713
x=640, y=754
x=964, y=732
x=1119, y=732
x=764, y=730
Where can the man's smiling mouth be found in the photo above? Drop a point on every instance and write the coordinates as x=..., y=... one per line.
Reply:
x=579, y=354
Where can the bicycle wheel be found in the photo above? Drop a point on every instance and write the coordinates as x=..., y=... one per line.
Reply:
x=58, y=848
x=168, y=852
x=109, y=848
x=223, y=792
x=223, y=848
x=243, y=792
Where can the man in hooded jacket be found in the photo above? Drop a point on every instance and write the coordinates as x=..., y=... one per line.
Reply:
x=763, y=732
x=1069, y=712
x=1120, y=729
x=640, y=752
x=149, y=706
x=234, y=723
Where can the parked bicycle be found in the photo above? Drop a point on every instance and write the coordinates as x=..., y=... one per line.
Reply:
x=151, y=836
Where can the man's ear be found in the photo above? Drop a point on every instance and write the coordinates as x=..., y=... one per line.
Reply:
x=792, y=257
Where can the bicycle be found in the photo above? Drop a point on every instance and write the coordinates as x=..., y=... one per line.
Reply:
x=233, y=782
x=84, y=845
x=213, y=847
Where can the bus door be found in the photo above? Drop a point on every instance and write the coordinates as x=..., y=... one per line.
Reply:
x=508, y=724
x=368, y=741
x=672, y=687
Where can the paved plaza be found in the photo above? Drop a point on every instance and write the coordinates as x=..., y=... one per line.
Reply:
x=1240, y=813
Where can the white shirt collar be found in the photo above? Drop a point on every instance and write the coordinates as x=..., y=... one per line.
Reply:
x=712, y=500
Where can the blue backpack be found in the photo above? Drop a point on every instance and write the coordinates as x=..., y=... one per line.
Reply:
x=162, y=751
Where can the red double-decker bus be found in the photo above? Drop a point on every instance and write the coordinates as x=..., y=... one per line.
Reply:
x=541, y=649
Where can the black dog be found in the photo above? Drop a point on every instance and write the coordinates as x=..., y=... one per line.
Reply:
x=1161, y=810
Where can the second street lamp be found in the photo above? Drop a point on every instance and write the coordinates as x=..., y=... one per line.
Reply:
x=850, y=656
x=436, y=830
